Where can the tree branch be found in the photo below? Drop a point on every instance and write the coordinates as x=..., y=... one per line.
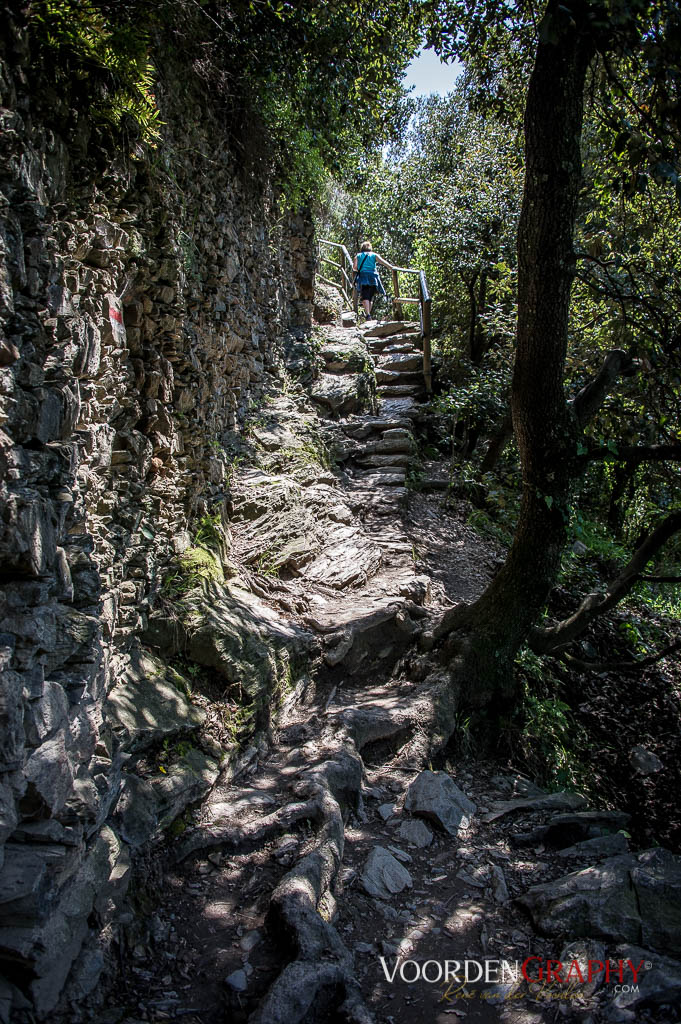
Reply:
x=590, y=398
x=549, y=639
x=637, y=453
x=609, y=666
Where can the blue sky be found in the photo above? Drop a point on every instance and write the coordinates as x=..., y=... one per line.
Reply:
x=428, y=74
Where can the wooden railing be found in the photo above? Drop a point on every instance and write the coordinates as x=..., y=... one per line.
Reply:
x=345, y=284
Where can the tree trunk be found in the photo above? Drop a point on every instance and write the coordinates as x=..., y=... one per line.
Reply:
x=479, y=341
x=490, y=632
x=472, y=314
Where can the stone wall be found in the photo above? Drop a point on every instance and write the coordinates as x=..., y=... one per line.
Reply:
x=143, y=302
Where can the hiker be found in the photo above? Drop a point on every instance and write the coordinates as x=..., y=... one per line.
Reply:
x=367, y=280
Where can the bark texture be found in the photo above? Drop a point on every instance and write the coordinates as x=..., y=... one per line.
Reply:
x=490, y=632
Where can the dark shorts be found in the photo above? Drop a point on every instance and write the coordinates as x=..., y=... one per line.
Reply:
x=367, y=291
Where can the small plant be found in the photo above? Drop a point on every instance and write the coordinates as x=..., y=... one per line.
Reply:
x=554, y=744
x=84, y=41
x=266, y=564
x=209, y=531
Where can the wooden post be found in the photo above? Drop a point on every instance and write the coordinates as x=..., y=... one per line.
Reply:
x=426, y=332
x=427, y=371
x=397, y=311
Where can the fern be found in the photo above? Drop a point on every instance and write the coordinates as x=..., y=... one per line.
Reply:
x=83, y=39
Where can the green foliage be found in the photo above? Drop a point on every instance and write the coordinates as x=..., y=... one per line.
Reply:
x=79, y=39
x=210, y=532
x=479, y=396
x=192, y=568
x=555, y=745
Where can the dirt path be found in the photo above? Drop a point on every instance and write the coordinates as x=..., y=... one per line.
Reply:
x=265, y=914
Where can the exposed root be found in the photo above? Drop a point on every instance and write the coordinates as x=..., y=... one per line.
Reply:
x=300, y=986
x=319, y=980
x=244, y=836
x=302, y=905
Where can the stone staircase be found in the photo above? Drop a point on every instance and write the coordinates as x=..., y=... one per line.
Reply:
x=382, y=445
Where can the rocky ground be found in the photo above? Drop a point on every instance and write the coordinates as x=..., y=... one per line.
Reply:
x=327, y=865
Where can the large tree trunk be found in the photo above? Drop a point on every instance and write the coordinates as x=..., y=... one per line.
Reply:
x=490, y=632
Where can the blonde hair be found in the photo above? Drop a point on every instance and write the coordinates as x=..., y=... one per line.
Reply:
x=366, y=247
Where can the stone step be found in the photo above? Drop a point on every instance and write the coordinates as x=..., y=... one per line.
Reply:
x=401, y=445
x=411, y=341
x=386, y=477
x=384, y=328
x=364, y=487
x=402, y=362
x=405, y=408
x=402, y=390
x=379, y=502
x=368, y=425
x=383, y=348
x=395, y=377
x=400, y=459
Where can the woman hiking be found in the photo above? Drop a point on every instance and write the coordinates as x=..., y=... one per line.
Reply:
x=367, y=281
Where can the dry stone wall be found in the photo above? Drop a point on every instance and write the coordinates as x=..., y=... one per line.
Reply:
x=143, y=301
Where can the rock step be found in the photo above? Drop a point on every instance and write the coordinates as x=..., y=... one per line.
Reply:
x=381, y=501
x=402, y=390
x=402, y=459
x=361, y=429
x=382, y=477
x=401, y=362
x=384, y=348
x=384, y=328
x=398, y=377
x=403, y=407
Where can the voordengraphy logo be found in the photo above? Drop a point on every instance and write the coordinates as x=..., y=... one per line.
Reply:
x=459, y=972
x=546, y=974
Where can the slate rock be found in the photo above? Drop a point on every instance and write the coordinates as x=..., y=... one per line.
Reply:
x=237, y=981
x=569, y=828
x=598, y=848
x=625, y=899
x=144, y=708
x=136, y=811
x=341, y=394
x=383, y=876
x=387, y=810
x=434, y=795
x=581, y=951
x=548, y=802
x=658, y=985
x=415, y=832
x=499, y=887
x=644, y=761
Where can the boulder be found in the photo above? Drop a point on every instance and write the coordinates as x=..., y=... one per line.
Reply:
x=550, y=802
x=416, y=833
x=624, y=899
x=566, y=829
x=344, y=393
x=658, y=984
x=144, y=707
x=435, y=796
x=598, y=848
x=245, y=642
x=328, y=303
x=383, y=875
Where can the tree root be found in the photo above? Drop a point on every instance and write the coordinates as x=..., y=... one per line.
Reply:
x=241, y=837
x=302, y=905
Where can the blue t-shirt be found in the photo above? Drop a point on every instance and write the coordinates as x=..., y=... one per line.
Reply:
x=366, y=262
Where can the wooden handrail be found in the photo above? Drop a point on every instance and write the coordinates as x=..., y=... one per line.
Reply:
x=423, y=299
